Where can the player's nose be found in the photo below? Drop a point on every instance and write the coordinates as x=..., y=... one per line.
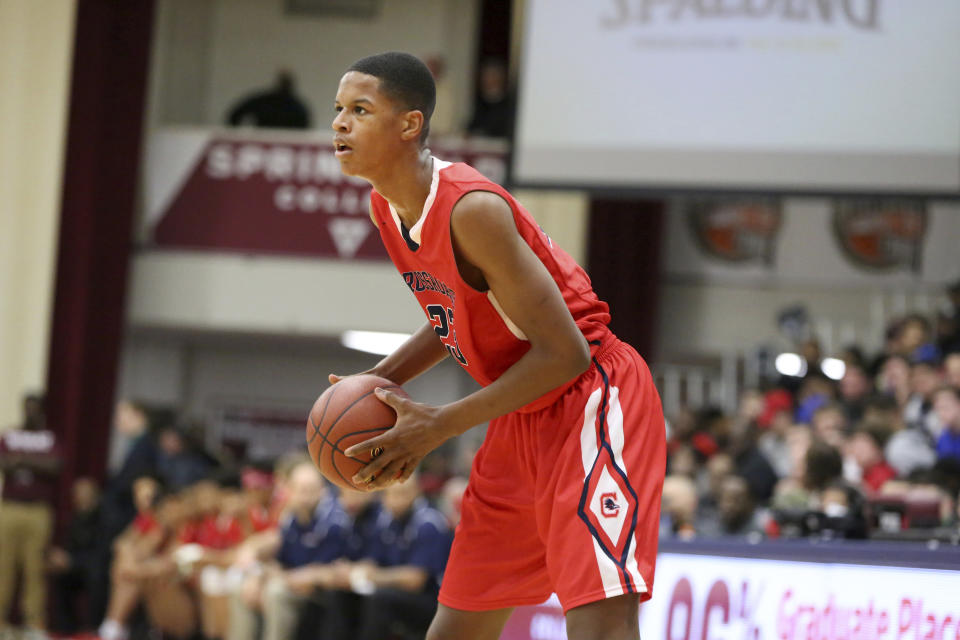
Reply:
x=340, y=121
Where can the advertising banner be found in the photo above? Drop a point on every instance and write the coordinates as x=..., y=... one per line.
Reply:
x=719, y=598
x=269, y=192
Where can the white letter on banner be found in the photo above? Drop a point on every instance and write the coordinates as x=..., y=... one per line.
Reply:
x=280, y=163
x=284, y=196
x=249, y=161
x=219, y=161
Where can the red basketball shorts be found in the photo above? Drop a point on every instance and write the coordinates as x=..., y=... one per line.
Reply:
x=566, y=499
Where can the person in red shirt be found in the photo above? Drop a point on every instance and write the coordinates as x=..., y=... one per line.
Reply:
x=866, y=448
x=564, y=495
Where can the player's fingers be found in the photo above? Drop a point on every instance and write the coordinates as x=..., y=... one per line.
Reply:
x=334, y=378
x=387, y=476
x=373, y=469
x=408, y=471
x=390, y=398
x=373, y=446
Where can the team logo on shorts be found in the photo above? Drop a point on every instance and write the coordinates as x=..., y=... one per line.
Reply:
x=609, y=506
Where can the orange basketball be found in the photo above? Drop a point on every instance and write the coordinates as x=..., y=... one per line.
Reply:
x=345, y=414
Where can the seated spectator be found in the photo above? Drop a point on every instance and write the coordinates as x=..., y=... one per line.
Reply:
x=278, y=107
x=399, y=585
x=737, y=511
x=678, y=507
x=145, y=572
x=951, y=369
x=842, y=507
x=830, y=424
x=925, y=379
x=947, y=407
x=775, y=420
x=865, y=449
x=312, y=532
x=854, y=387
x=76, y=566
x=824, y=465
x=179, y=464
x=894, y=379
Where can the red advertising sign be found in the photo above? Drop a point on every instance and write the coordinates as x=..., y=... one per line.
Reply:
x=255, y=193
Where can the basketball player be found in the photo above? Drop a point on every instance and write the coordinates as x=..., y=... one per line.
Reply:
x=564, y=495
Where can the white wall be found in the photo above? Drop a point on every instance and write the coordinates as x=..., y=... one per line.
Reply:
x=36, y=46
x=208, y=53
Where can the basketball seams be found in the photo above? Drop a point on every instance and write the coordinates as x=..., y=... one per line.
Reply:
x=324, y=434
x=316, y=427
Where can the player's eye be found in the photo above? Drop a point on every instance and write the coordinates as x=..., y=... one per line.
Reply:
x=337, y=108
x=359, y=110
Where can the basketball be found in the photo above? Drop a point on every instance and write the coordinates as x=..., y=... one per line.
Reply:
x=345, y=414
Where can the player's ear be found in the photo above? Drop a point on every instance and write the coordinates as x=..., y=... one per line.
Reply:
x=412, y=125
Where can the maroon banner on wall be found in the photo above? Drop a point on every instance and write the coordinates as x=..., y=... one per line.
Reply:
x=269, y=193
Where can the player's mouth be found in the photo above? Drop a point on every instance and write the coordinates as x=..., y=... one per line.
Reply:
x=341, y=149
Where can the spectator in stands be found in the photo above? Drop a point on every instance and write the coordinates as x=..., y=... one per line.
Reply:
x=824, y=465
x=843, y=509
x=830, y=424
x=30, y=460
x=894, y=379
x=925, y=379
x=678, y=507
x=738, y=515
x=145, y=570
x=946, y=402
x=278, y=107
x=913, y=335
x=750, y=463
x=494, y=106
x=313, y=532
x=179, y=465
x=854, y=387
x=399, y=587
x=815, y=392
x=775, y=420
x=76, y=566
x=865, y=450
x=951, y=369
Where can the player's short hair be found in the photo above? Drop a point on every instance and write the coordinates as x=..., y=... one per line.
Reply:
x=405, y=80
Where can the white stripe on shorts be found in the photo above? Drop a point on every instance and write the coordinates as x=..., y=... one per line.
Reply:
x=609, y=572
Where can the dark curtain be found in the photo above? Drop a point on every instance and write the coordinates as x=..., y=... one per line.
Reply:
x=624, y=265
x=103, y=149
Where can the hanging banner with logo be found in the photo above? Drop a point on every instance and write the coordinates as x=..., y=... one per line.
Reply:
x=736, y=230
x=881, y=234
x=268, y=192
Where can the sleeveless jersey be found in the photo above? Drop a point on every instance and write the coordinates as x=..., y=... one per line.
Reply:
x=471, y=323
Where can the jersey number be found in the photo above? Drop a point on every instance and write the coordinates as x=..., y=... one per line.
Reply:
x=442, y=320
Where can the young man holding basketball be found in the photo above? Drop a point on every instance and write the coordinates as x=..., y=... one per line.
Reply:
x=564, y=495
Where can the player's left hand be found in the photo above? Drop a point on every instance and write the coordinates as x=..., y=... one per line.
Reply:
x=417, y=432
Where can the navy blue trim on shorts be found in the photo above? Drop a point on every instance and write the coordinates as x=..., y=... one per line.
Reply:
x=581, y=509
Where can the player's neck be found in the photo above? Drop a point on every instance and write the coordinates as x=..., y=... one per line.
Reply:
x=407, y=185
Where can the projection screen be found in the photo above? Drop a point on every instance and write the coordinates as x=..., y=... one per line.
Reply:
x=770, y=95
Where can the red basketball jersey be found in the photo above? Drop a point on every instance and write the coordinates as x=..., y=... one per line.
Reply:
x=471, y=323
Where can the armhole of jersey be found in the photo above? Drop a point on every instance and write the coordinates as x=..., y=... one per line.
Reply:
x=510, y=324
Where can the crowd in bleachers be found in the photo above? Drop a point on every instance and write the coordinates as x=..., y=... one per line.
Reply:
x=263, y=553
x=180, y=543
x=871, y=452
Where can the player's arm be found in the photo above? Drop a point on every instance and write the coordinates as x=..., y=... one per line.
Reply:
x=487, y=238
x=417, y=354
x=420, y=352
